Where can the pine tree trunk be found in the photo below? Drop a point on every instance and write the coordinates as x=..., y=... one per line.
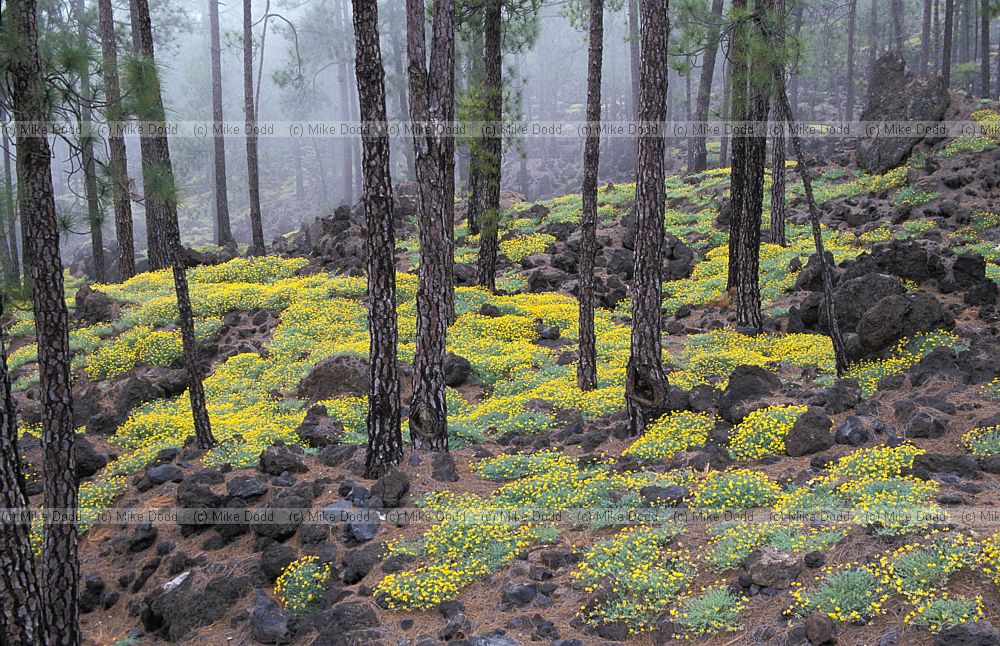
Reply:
x=88, y=162
x=11, y=210
x=727, y=112
x=586, y=374
x=157, y=245
x=645, y=381
x=165, y=202
x=925, y=39
x=899, y=38
x=851, y=28
x=984, y=73
x=300, y=188
x=385, y=441
x=474, y=210
x=965, y=33
x=117, y=154
x=747, y=192
x=430, y=101
x=634, y=62
x=946, y=46
x=223, y=228
x=705, y=85
x=492, y=146
x=60, y=569
x=347, y=101
x=399, y=69
x=872, y=38
x=936, y=65
x=829, y=303
x=20, y=599
x=250, y=111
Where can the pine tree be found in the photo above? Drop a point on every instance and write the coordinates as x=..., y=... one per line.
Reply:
x=223, y=228
x=705, y=84
x=586, y=374
x=946, y=45
x=60, y=569
x=385, y=441
x=645, y=380
x=95, y=218
x=778, y=145
x=20, y=605
x=492, y=152
x=751, y=100
x=117, y=154
x=163, y=198
x=250, y=112
x=430, y=100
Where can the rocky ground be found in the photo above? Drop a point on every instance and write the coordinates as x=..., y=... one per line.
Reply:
x=764, y=425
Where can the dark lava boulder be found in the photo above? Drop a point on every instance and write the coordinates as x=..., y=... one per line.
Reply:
x=186, y=603
x=895, y=95
x=747, y=386
x=903, y=315
x=340, y=376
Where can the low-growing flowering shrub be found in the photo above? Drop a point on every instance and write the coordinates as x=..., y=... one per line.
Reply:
x=671, y=434
x=713, y=610
x=940, y=612
x=989, y=557
x=518, y=247
x=730, y=543
x=763, y=432
x=905, y=355
x=302, y=583
x=734, y=489
x=849, y=593
x=633, y=577
x=983, y=441
x=921, y=569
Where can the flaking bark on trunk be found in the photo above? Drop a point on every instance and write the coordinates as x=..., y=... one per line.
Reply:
x=165, y=202
x=984, y=59
x=749, y=157
x=586, y=374
x=431, y=95
x=20, y=599
x=60, y=569
x=223, y=228
x=385, y=442
x=645, y=381
x=117, y=154
x=946, y=45
x=492, y=144
x=250, y=113
x=778, y=145
x=925, y=39
x=852, y=19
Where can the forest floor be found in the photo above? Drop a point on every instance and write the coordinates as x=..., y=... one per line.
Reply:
x=901, y=454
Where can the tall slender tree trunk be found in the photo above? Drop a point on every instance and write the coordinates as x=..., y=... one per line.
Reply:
x=399, y=69
x=898, y=35
x=157, y=245
x=117, y=154
x=946, y=46
x=164, y=198
x=779, y=140
x=705, y=85
x=796, y=31
x=10, y=208
x=94, y=216
x=20, y=598
x=925, y=39
x=431, y=95
x=347, y=101
x=872, y=38
x=984, y=20
x=493, y=144
x=223, y=228
x=321, y=172
x=634, y=62
x=385, y=441
x=727, y=113
x=749, y=156
x=60, y=569
x=475, y=186
x=645, y=380
x=300, y=189
x=937, y=38
x=250, y=111
x=586, y=373
x=852, y=15
x=965, y=33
